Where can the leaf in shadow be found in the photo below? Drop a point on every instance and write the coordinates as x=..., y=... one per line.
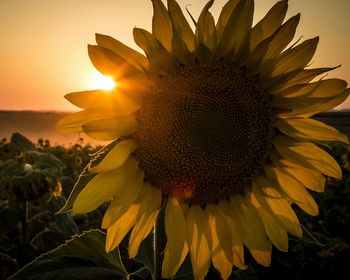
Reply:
x=82, y=257
x=21, y=142
x=145, y=254
x=66, y=267
x=85, y=176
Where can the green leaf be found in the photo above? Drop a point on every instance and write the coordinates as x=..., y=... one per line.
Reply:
x=82, y=257
x=66, y=267
x=10, y=167
x=65, y=221
x=91, y=244
x=46, y=160
x=145, y=254
x=21, y=142
x=85, y=176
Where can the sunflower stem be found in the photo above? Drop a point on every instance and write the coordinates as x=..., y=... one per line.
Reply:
x=158, y=245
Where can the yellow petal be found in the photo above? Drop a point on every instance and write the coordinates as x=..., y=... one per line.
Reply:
x=254, y=235
x=211, y=224
x=292, y=188
x=222, y=264
x=206, y=33
x=307, y=155
x=329, y=87
x=301, y=97
x=180, y=51
x=293, y=59
x=116, y=157
x=74, y=122
x=120, y=228
x=218, y=255
x=126, y=196
x=271, y=200
x=294, y=91
x=121, y=104
x=322, y=88
x=197, y=241
x=176, y=248
x=104, y=186
x=269, y=24
x=279, y=40
x=276, y=233
x=300, y=77
x=181, y=25
x=110, y=129
x=130, y=55
x=222, y=229
x=309, y=178
x=239, y=23
x=309, y=129
x=236, y=235
x=308, y=106
x=111, y=64
x=225, y=15
x=161, y=24
x=149, y=209
x=160, y=61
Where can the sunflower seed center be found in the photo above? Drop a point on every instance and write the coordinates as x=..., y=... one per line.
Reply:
x=204, y=132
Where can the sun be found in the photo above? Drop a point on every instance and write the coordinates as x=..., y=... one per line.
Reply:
x=98, y=81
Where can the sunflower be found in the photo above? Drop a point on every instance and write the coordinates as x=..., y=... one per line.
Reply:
x=213, y=126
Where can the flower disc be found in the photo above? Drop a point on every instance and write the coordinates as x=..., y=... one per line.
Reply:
x=204, y=132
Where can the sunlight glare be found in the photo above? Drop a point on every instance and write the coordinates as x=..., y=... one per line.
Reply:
x=98, y=81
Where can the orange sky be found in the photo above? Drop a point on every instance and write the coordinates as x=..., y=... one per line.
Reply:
x=43, y=52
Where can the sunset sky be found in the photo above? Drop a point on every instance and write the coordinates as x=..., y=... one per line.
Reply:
x=43, y=53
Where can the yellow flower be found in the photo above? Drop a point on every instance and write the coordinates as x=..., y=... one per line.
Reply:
x=215, y=125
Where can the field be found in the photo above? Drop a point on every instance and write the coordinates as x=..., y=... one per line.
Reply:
x=36, y=177
x=35, y=125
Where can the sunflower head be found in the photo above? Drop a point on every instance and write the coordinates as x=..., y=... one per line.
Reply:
x=213, y=124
